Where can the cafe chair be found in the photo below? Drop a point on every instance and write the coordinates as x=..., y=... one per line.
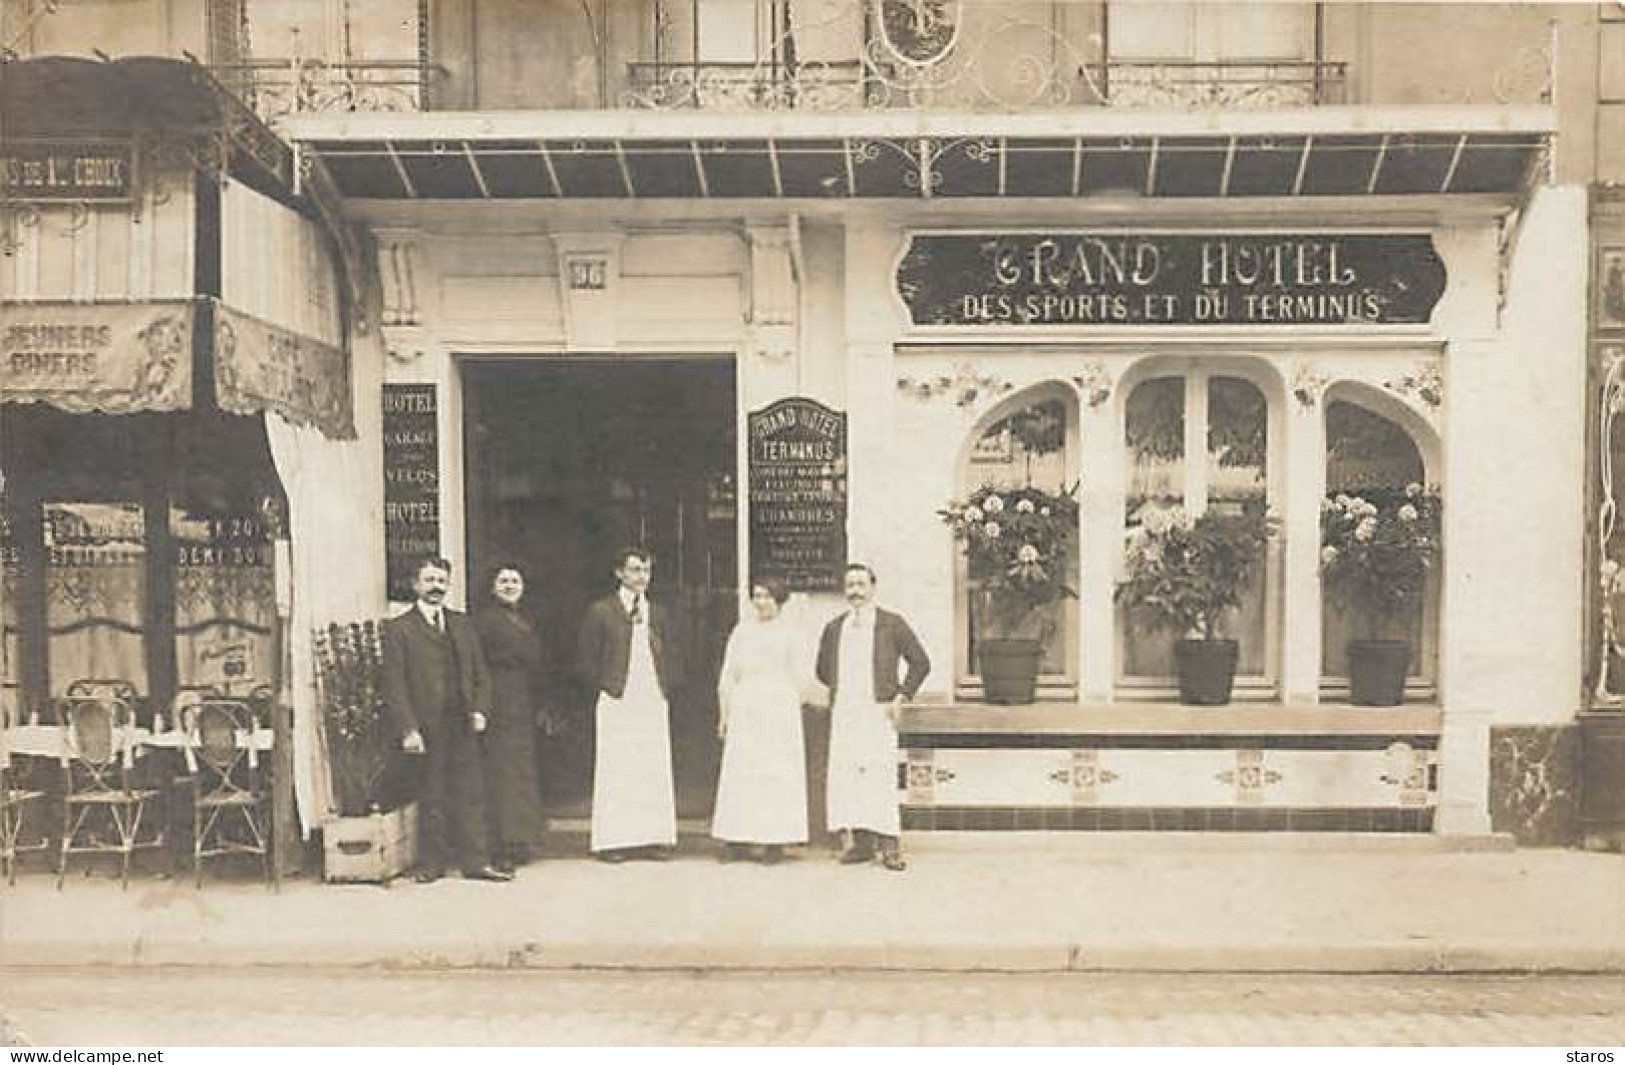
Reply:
x=15, y=802
x=102, y=808
x=93, y=688
x=230, y=799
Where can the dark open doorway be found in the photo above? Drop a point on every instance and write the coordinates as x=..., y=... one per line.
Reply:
x=568, y=461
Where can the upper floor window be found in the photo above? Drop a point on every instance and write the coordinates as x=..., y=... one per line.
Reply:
x=727, y=31
x=1211, y=33
x=1217, y=54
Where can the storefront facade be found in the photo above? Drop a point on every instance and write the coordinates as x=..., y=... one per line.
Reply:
x=923, y=322
x=762, y=285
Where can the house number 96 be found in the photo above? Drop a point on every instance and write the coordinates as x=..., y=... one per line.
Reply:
x=588, y=273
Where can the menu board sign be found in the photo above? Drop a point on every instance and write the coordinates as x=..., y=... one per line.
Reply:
x=798, y=494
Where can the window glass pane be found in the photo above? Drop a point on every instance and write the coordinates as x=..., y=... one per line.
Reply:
x=1028, y=448
x=1261, y=31
x=1155, y=438
x=96, y=588
x=1373, y=457
x=1613, y=559
x=225, y=601
x=289, y=28
x=1152, y=30
x=727, y=31
x=1237, y=446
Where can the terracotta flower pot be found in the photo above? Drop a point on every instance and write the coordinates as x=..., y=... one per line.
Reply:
x=1009, y=670
x=1377, y=671
x=1207, y=671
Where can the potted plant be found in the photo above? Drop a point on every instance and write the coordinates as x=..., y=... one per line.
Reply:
x=1016, y=544
x=1376, y=552
x=370, y=839
x=1184, y=575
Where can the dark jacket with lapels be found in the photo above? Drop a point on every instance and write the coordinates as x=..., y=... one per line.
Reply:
x=895, y=644
x=431, y=678
x=604, y=651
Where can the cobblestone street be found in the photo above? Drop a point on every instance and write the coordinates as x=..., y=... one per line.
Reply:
x=271, y=1007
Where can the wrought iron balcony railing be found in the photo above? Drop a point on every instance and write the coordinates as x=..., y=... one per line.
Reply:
x=856, y=84
x=1227, y=84
x=275, y=88
x=746, y=86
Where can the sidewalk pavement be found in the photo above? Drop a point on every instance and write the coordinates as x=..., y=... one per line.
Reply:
x=969, y=901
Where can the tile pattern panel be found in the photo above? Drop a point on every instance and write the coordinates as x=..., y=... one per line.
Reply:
x=1400, y=775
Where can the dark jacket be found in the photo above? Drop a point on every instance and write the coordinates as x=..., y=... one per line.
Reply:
x=516, y=661
x=430, y=677
x=895, y=643
x=604, y=651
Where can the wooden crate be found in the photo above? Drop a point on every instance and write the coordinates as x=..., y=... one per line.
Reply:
x=370, y=850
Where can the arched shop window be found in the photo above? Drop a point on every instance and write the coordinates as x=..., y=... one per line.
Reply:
x=1228, y=415
x=1030, y=440
x=1371, y=455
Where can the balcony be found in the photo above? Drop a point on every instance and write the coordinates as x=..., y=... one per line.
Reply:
x=277, y=88
x=847, y=85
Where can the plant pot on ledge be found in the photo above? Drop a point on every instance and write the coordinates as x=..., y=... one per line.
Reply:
x=1377, y=670
x=1009, y=670
x=1207, y=671
x=1184, y=575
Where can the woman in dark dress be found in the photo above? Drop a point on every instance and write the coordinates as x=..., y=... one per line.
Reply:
x=513, y=653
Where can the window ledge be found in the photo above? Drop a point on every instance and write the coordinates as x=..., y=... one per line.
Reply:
x=1172, y=719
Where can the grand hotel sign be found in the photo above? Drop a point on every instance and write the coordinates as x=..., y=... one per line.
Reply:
x=1125, y=279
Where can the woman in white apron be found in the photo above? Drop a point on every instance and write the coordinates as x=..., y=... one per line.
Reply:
x=762, y=787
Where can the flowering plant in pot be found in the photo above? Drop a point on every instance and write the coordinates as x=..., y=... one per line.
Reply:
x=1377, y=550
x=1183, y=575
x=348, y=662
x=1016, y=543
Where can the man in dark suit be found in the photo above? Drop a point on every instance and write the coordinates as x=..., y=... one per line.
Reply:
x=858, y=660
x=624, y=658
x=435, y=692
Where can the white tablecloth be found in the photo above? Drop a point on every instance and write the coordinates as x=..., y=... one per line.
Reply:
x=51, y=741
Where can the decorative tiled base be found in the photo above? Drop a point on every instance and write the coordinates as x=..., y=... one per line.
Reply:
x=1160, y=819
x=1076, y=769
x=1534, y=784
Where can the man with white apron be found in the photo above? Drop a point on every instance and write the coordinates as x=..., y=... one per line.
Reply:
x=858, y=659
x=622, y=654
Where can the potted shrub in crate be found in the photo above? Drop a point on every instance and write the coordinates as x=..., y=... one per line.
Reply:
x=1183, y=575
x=1016, y=543
x=1376, y=552
x=372, y=838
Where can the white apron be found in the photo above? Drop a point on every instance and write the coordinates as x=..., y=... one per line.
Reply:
x=862, y=789
x=632, y=798
x=762, y=785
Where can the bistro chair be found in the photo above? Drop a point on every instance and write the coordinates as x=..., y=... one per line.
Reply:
x=228, y=787
x=15, y=802
x=102, y=809
x=92, y=688
x=16, y=798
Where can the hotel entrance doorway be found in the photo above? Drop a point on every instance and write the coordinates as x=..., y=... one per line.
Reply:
x=565, y=463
